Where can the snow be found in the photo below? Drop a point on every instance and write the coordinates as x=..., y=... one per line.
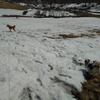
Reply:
x=17, y=12
x=32, y=11
x=54, y=13
x=95, y=9
x=23, y=4
x=10, y=12
x=30, y=59
x=72, y=5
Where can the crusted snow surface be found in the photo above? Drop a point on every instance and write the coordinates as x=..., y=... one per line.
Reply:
x=35, y=66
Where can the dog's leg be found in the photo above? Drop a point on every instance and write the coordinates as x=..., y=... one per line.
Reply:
x=14, y=29
x=10, y=30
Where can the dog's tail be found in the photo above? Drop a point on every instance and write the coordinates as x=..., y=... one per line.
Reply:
x=14, y=28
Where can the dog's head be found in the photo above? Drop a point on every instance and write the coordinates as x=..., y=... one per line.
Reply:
x=7, y=25
x=87, y=61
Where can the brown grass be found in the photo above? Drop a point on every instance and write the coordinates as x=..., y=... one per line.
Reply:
x=85, y=14
x=98, y=33
x=90, y=88
x=16, y=16
x=7, y=5
x=76, y=36
x=64, y=36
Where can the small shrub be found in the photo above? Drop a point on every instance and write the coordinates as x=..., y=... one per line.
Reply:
x=25, y=12
x=38, y=14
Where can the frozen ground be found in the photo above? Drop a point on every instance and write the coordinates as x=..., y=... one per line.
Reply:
x=16, y=12
x=10, y=12
x=36, y=67
x=32, y=11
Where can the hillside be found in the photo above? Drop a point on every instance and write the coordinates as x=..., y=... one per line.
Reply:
x=7, y=5
x=57, y=1
x=37, y=63
x=44, y=58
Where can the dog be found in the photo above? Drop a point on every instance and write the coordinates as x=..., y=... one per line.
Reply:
x=87, y=61
x=11, y=27
x=94, y=66
x=88, y=64
x=97, y=64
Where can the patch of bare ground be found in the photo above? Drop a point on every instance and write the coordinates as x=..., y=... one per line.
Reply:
x=7, y=5
x=64, y=36
x=98, y=33
x=90, y=89
x=76, y=36
x=16, y=16
x=85, y=14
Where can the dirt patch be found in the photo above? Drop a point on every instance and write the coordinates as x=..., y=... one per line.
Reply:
x=85, y=14
x=53, y=37
x=90, y=89
x=7, y=5
x=76, y=36
x=16, y=16
x=64, y=36
x=98, y=33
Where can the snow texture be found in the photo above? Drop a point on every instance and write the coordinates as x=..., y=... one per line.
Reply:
x=34, y=66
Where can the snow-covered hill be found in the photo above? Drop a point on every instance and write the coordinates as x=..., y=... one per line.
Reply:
x=35, y=65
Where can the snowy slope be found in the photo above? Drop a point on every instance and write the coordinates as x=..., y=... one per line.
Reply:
x=10, y=12
x=16, y=12
x=36, y=67
x=32, y=11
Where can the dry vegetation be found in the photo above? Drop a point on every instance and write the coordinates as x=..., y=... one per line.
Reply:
x=15, y=16
x=90, y=89
x=98, y=33
x=65, y=36
x=7, y=5
x=85, y=14
x=76, y=36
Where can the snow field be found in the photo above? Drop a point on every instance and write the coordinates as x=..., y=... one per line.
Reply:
x=33, y=64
